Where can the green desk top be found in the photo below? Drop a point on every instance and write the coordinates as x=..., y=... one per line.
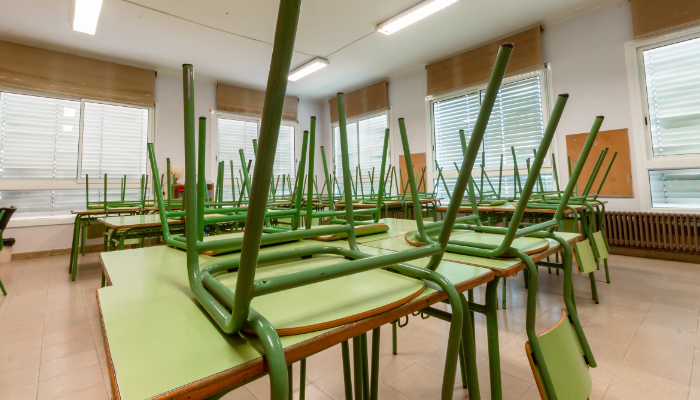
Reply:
x=135, y=221
x=159, y=339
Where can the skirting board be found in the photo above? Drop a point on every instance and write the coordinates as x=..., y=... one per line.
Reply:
x=95, y=248
x=656, y=254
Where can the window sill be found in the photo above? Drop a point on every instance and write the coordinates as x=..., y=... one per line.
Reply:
x=41, y=221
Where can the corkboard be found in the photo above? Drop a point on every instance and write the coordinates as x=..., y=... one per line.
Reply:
x=418, y=165
x=619, y=181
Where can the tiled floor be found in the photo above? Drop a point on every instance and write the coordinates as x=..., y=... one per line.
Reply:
x=644, y=335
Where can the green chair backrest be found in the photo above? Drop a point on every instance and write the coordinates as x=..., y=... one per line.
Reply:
x=585, y=260
x=601, y=245
x=565, y=361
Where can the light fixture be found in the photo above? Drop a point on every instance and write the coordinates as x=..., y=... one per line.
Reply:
x=308, y=68
x=85, y=15
x=413, y=14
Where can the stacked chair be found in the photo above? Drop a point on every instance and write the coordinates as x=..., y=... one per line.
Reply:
x=226, y=288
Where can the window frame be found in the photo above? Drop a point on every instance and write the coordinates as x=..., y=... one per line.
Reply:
x=77, y=183
x=645, y=160
x=214, y=138
x=544, y=72
x=393, y=158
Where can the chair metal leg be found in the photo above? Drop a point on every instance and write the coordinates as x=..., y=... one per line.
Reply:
x=607, y=272
x=302, y=379
x=504, y=293
x=365, y=367
x=346, y=370
x=3, y=288
x=290, y=379
x=491, y=307
x=374, y=386
x=357, y=366
x=75, y=242
x=594, y=288
x=84, y=238
x=394, y=343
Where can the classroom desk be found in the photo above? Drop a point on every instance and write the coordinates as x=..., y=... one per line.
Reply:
x=83, y=218
x=161, y=344
x=501, y=267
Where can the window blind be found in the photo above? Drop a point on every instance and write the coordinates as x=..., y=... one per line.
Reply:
x=365, y=147
x=48, y=203
x=284, y=156
x=516, y=120
x=675, y=188
x=38, y=137
x=114, y=141
x=233, y=136
x=672, y=76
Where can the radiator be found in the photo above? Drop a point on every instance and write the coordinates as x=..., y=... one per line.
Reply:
x=653, y=231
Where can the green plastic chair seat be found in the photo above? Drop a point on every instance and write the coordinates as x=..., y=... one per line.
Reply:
x=565, y=361
x=361, y=230
x=528, y=245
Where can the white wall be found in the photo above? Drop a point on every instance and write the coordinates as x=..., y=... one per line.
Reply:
x=588, y=61
x=169, y=143
x=587, y=55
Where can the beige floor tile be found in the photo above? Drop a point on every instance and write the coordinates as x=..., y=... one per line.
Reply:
x=68, y=364
x=618, y=393
x=22, y=393
x=694, y=393
x=323, y=363
x=665, y=348
x=69, y=383
x=261, y=387
x=19, y=377
x=20, y=346
x=333, y=385
x=19, y=361
x=695, y=378
x=77, y=345
x=97, y=392
x=312, y=393
x=241, y=393
x=598, y=390
x=654, y=330
x=648, y=384
x=643, y=360
x=417, y=383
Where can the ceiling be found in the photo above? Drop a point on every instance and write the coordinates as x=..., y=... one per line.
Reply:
x=231, y=40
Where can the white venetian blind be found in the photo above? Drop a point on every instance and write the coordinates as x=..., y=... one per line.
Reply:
x=114, y=141
x=675, y=188
x=507, y=187
x=673, y=97
x=516, y=121
x=353, y=152
x=38, y=137
x=284, y=156
x=371, y=143
x=449, y=116
x=233, y=136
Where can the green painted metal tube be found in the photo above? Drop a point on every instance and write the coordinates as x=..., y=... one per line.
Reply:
x=374, y=382
x=346, y=171
x=300, y=183
x=605, y=176
x=347, y=377
x=594, y=173
x=357, y=366
x=312, y=182
x=381, y=177
x=201, y=177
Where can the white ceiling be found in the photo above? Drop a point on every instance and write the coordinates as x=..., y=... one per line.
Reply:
x=230, y=40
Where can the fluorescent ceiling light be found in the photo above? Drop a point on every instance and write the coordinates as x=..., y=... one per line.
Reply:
x=413, y=14
x=308, y=68
x=85, y=15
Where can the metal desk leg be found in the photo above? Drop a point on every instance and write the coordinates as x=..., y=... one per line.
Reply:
x=74, y=251
x=346, y=370
x=76, y=223
x=468, y=350
x=491, y=307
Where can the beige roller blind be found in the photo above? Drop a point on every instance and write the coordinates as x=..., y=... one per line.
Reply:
x=368, y=99
x=51, y=71
x=248, y=101
x=475, y=65
x=650, y=16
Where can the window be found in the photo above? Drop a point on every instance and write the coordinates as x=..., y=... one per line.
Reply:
x=365, y=147
x=664, y=73
x=238, y=133
x=675, y=188
x=114, y=141
x=517, y=121
x=48, y=143
x=38, y=137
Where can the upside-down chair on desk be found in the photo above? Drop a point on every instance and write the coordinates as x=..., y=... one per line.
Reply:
x=492, y=241
x=230, y=307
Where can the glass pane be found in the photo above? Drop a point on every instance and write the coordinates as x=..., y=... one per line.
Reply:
x=516, y=121
x=675, y=188
x=673, y=97
x=114, y=141
x=38, y=137
x=233, y=136
x=284, y=167
x=371, y=143
x=449, y=116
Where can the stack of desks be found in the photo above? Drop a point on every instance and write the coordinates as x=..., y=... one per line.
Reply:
x=161, y=344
